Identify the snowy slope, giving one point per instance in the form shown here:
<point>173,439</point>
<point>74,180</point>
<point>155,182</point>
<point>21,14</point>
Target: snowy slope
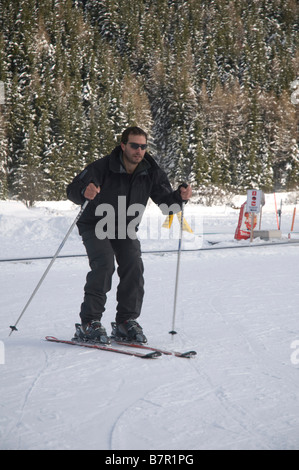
<point>237,308</point>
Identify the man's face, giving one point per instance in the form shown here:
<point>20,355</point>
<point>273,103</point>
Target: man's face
<point>131,154</point>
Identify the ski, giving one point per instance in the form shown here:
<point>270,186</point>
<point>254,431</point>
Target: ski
<point>151,355</point>
<point>187,354</point>
<point>137,344</point>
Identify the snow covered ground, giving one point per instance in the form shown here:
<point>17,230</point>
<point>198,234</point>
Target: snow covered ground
<point>239,308</point>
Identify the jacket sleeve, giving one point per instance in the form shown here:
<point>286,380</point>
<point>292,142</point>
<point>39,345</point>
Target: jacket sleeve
<point>164,196</point>
<point>76,188</point>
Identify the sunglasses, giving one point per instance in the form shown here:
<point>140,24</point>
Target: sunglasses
<point>136,146</point>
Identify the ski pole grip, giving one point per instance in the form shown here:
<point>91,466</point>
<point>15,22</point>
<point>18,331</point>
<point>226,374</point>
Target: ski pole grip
<point>183,185</point>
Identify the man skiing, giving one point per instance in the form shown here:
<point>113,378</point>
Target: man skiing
<point>121,181</point>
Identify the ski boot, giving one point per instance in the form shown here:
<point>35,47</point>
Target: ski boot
<point>129,331</point>
<point>92,332</point>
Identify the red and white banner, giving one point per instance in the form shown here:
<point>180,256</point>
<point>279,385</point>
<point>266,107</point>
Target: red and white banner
<point>243,229</point>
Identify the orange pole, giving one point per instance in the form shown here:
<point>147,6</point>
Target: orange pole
<point>293,221</point>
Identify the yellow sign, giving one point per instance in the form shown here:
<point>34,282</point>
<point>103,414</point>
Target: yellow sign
<point>169,219</point>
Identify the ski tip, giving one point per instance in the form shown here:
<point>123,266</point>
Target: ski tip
<point>189,354</point>
<point>152,355</point>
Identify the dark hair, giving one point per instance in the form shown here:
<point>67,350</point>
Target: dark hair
<point>132,130</point>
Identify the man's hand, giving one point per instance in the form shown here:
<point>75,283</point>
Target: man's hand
<point>186,193</point>
<point>91,191</point>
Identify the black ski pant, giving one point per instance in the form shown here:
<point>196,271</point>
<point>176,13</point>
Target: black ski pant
<point>130,290</point>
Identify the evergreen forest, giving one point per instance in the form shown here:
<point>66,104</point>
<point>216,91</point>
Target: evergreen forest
<point>214,83</point>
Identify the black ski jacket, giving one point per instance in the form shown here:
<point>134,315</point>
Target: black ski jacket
<point>147,181</point>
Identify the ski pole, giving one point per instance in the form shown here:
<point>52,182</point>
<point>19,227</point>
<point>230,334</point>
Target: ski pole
<point>279,213</point>
<point>14,327</point>
<point>173,332</point>
<point>276,211</point>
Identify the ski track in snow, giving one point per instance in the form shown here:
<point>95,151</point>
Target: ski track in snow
<point>16,430</point>
<point>238,309</point>
<point>242,427</point>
